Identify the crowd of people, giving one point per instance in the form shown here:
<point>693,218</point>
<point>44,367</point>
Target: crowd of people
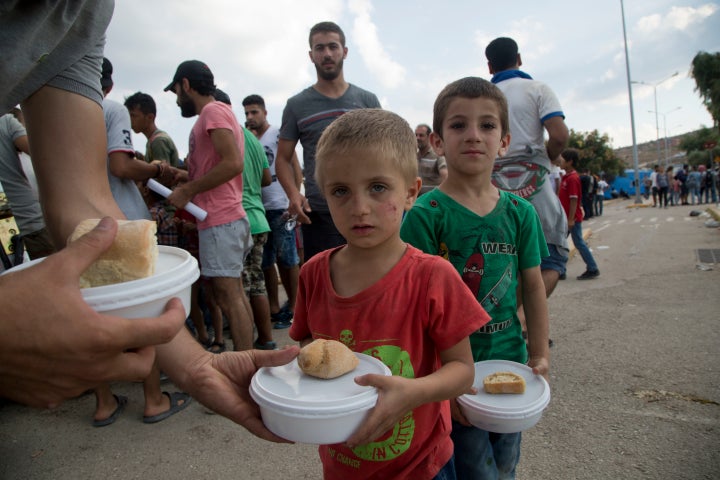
<point>683,185</point>
<point>436,228</point>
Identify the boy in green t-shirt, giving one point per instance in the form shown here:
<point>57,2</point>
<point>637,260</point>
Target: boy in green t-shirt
<point>494,240</point>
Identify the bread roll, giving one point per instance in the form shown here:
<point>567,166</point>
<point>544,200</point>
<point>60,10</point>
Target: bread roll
<point>131,256</point>
<point>326,359</point>
<point>504,382</point>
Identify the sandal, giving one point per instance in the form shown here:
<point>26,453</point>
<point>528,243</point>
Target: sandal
<point>216,347</point>
<point>178,401</point>
<point>121,402</point>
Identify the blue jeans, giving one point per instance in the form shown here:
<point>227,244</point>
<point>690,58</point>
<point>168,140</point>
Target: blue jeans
<point>482,455</point>
<point>448,471</point>
<point>581,246</point>
<point>598,204</point>
<point>280,246</point>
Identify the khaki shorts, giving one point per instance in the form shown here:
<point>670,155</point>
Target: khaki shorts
<point>223,249</point>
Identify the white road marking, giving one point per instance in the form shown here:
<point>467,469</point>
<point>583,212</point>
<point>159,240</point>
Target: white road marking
<point>600,229</point>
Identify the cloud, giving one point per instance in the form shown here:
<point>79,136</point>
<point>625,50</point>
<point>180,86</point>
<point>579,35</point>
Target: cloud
<point>678,18</point>
<point>378,61</point>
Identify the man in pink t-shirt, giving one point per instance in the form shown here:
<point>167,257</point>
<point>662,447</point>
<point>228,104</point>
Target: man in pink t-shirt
<point>214,183</point>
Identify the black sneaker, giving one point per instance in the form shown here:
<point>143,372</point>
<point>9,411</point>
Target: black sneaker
<point>280,324</point>
<point>283,315</point>
<point>588,275</point>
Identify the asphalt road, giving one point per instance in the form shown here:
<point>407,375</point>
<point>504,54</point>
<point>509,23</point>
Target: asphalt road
<point>635,381</point>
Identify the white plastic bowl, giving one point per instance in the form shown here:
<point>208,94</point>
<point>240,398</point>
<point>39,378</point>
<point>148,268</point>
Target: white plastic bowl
<point>505,413</point>
<point>175,272</point>
<point>306,409</point>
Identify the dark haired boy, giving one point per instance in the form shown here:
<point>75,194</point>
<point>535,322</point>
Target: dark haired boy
<point>570,193</point>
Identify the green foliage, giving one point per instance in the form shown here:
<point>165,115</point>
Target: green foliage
<point>596,153</point>
<point>697,158</point>
<point>706,72</point>
<point>694,145</point>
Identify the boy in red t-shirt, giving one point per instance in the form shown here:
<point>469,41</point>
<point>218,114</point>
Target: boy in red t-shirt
<point>570,193</point>
<point>385,298</point>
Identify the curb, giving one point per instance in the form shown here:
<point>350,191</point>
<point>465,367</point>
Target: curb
<point>714,212</point>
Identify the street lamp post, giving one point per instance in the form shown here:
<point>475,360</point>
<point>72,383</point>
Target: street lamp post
<point>657,121</point>
<point>667,133</point>
<point>632,112</point>
<point>664,115</point>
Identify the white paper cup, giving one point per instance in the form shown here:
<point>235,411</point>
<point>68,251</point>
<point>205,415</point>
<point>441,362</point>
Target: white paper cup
<point>505,412</point>
<point>175,272</point>
<point>305,409</point>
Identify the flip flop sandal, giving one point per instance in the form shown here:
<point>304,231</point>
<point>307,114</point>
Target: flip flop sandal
<point>175,407</point>
<point>121,402</point>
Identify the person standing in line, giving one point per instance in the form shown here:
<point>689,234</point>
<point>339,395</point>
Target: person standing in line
<point>305,117</point>
<point>383,297</point>
<point>214,182</point>
<point>599,199</point>
<point>555,175</point>
<point>534,110</point>
<point>570,193</point>
<point>682,176</point>
<point>694,179</point>
<point>587,182</point>
<point>673,186</point>
<point>494,241</point>
<point>431,166</point>
<point>281,245</point>
<point>662,187</point>
<point>706,183</point>
<point>123,171</point>
<point>23,200</point>
<point>654,185</point>
<point>53,346</point>
<point>159,147</point>
<point>256,175</point>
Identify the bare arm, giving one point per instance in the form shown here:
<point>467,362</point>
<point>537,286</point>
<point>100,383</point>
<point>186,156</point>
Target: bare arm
<point>230,165</point>
<point>397,395</point>
<point>221,382</point>
<point>22,144</point>
<point>297,170</point>
<point>123,165</point>
<point>266,178</point>
<point>53,346</point>
<point>537,320</point>
<point>558,136</point>
<point>571,211</point>
<point>287,178</point>
<point>68,141</point>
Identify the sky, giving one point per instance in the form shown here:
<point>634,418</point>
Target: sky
<point>406,52</point>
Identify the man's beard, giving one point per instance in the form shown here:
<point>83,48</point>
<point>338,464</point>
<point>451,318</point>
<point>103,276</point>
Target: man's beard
<point>187,107</point>
<point>331,74</point>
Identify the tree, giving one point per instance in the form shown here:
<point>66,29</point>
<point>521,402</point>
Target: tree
<point>706,72</point>
<point>596,153</point>
<point>697,144</point>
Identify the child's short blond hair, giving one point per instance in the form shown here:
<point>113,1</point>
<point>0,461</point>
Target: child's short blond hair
<point>375,132</point>
<point>469,87</point>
